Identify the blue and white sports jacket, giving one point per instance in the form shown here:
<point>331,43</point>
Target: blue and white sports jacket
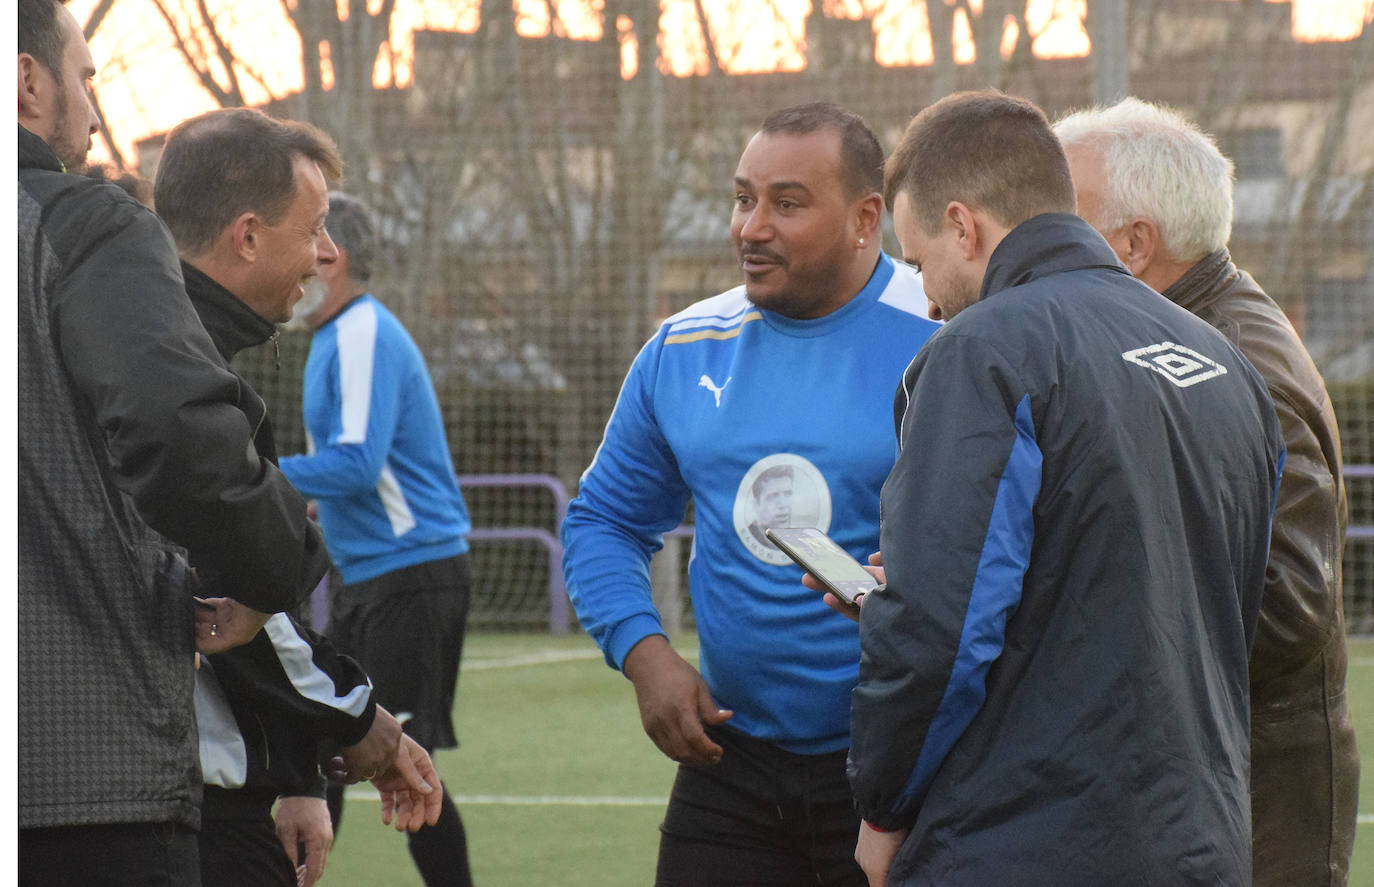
<point>378,460</point>
<point>760,420</point>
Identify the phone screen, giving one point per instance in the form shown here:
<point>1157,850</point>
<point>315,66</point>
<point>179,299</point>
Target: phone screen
<point>823,558</point>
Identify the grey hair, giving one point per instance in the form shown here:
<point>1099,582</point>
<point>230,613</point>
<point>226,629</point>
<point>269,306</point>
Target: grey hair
<point>349,224</point>
<point>1161,166</point>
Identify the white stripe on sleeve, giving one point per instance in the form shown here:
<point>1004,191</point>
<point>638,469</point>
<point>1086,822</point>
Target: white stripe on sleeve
<point>394,501</point>
<point>298,661</point>
<point>357,342</point>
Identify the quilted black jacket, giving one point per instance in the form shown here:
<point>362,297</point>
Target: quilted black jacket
<point>128,428</point>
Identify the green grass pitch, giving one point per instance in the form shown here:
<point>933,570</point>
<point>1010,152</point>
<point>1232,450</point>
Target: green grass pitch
<point>557,784</point>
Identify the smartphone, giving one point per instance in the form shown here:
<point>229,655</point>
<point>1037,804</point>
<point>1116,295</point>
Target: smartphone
<point>822,557</point>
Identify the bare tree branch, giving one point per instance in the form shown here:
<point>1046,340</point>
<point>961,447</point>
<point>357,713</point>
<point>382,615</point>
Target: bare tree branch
<point>222,51</point>
<point>96,17</point>
<point>712,60</point>
<point>196,58</point>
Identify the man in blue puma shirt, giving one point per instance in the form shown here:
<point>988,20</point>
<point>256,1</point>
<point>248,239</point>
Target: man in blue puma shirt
<point>790,376</point>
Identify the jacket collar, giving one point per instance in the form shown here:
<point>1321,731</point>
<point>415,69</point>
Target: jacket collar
<point>1046,244</point>
<point>35,153</point>
<point>232,325</point>
<point>1204,280</point>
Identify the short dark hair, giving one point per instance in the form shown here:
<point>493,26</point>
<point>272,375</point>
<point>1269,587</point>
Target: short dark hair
<point>40,33</point>
<point>350,227</point>
<point>775,472</point>
<point>861,157</point>
<point>224,163</point>
<point>984,149</point>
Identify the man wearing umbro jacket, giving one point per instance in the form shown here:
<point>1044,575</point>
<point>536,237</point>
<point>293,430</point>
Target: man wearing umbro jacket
<point>1054,686</point>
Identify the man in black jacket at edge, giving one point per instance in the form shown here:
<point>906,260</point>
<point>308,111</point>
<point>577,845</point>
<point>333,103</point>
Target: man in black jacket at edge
<point>1053,686</point>
<point>245,198</point>
<point>130,434</point>
<point>131,424</point>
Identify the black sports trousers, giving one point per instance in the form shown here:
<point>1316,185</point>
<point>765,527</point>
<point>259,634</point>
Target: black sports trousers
<point>406,629</point>
<point>244,851</point>
<point>762,817</point>
<point>141,854</point>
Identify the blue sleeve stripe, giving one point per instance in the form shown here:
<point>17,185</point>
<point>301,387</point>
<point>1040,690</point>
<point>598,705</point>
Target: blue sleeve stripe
<point>1274,500</point>
<point>994,597</point>
<point>1278,482</point>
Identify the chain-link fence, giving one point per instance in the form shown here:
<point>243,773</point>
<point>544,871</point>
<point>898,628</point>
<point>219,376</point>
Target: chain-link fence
<point>543,207</point>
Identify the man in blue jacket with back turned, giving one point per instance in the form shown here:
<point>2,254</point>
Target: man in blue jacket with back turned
<point>1054,684</point>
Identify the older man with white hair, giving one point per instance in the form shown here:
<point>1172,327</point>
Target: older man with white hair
<point>1158,189</point>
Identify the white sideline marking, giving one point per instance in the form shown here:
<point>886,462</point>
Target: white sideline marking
<point>544,657</point>
<point>366,792</point>
<point>362,793</point>
<point>560,800</point>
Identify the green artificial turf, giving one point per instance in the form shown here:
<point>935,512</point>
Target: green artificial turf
<point>562,785</point>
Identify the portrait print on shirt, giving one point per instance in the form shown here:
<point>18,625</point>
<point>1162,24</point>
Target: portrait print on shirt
<point>781,490</point>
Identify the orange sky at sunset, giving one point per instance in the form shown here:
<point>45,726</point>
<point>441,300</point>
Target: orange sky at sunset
<point>145,87</point>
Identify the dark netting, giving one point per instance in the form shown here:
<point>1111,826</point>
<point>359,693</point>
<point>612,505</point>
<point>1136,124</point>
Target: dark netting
<point>541,212</point>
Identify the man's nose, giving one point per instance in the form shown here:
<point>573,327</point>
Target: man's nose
<point>326,252</point>
<point>95,112</point>
<point>757,225</point>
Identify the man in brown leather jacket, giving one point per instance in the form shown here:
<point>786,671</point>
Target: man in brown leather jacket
<point>1159,191</point>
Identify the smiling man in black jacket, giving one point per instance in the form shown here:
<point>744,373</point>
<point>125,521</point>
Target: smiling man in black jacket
<point>130,433</point>
<point>245,197</point>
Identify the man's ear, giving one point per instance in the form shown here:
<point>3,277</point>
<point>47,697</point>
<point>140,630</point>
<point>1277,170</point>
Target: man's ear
<point>868,218</point>
<point>32,88</point>
<point>965,225</point>
<point>1142,244</point>
<point>245,234</point>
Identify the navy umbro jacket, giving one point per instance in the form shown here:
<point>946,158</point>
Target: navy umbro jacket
<point>1054,682</point>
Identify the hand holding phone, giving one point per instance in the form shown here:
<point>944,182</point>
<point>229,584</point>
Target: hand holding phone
<point>822,557</point>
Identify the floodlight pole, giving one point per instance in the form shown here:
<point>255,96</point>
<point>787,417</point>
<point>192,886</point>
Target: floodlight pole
<point>1110,60</point>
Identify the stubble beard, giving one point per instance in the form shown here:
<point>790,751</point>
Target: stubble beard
<point>805,290</point>
<point>73,157</point>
